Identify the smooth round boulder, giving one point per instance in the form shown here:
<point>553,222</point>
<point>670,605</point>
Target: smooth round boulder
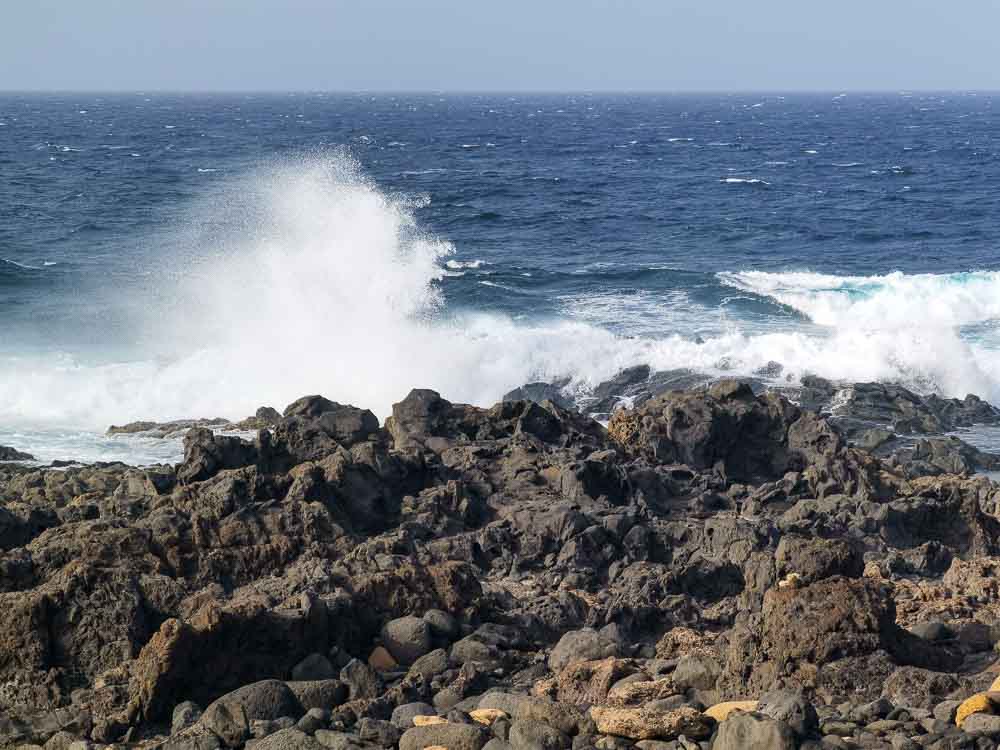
<point>451,736</point>
<point>536,735</point>
<point>407,638</point>
<point>582,645</point>
<point>267,699</point>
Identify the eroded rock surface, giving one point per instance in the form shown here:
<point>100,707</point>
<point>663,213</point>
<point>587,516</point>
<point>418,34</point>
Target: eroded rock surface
<point>517,576</point>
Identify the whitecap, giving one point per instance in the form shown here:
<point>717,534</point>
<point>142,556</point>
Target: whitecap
<point>23,266</point>
<point>275,286</point>
<point>415,172</point>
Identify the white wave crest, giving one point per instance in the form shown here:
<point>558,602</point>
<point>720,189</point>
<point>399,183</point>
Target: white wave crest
<point>933,332</point>
<point>892,301</point>
<point>457,264</point>
<point>322,283</point>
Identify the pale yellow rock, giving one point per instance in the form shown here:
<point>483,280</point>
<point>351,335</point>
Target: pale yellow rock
<point>872,570</point>
<point>426,721</point>
<point>381,660</point>
<point>980,703</point>
<point>647,724</point>
<point>435,747</point>
<point>791,581</point>
<point>487,715</point>
<point>995,687</point>
<point>720,711</point>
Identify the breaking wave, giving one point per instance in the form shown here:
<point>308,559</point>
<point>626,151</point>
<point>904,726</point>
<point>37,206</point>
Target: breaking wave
<point>320,282</point>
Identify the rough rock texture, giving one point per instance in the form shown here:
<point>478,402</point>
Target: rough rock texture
<point>330,580</point>
<point>649,724</point>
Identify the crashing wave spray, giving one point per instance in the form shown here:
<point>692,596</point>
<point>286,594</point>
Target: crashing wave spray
<point>306,278</point>
<point>932,332</point>
<point>318,283</point>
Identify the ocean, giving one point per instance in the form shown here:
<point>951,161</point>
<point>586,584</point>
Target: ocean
<point>167,256</point>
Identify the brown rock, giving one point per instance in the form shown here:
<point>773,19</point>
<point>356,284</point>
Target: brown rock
<point>645,724</point>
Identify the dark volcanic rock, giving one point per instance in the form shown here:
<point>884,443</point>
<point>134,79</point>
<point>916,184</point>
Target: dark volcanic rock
<point>172,429</point>
<point>9,454</point>
<point>519,573</point>
<point>206,453</point>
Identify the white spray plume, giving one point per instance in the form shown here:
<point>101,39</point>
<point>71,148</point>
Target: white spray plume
<point>319,282</point>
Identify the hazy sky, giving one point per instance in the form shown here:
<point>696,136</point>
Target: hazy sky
<point>508,44</point>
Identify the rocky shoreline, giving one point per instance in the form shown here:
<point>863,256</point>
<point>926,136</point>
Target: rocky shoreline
<point>719,567</point>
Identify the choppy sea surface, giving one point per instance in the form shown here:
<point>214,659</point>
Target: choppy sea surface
<point>172,256</point>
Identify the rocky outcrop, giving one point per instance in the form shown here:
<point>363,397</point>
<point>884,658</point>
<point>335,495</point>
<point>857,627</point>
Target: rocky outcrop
<point>11,454</point>
<point>517,575</point>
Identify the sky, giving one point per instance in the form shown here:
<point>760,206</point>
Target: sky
<point>510,45</point>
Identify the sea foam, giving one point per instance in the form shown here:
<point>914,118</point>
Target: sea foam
<point>320,282</point>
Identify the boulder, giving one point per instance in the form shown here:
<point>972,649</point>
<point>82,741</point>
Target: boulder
<point>264,700</point>
<point>535,735</point>
<point>378,732</point>
<point>790,707</point>
<point>753,731</point>
<point>646,724</point>
<point>407,638</point>
<point>451,736</point>
<point>442,624</point>
<point>721,711</point>
<point>287,739</point>
<point>403,715</point>
<point>206,454</point>
<point>227,721</point>
<point>582,645</point>
<point>982,725</point>
<point>326,694</point>
<point>361,680</point>
<point>980,703</point>
<point>697,671</point>
<point>567,718</point>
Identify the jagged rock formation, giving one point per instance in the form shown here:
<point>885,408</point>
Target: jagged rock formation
<point>10,454</point>
<point>515,576</point>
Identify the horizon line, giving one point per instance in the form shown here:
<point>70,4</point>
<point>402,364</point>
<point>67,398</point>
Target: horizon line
<point>507,92</point>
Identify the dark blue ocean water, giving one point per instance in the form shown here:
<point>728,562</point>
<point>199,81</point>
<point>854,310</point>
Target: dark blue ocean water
<point>164,253</point>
